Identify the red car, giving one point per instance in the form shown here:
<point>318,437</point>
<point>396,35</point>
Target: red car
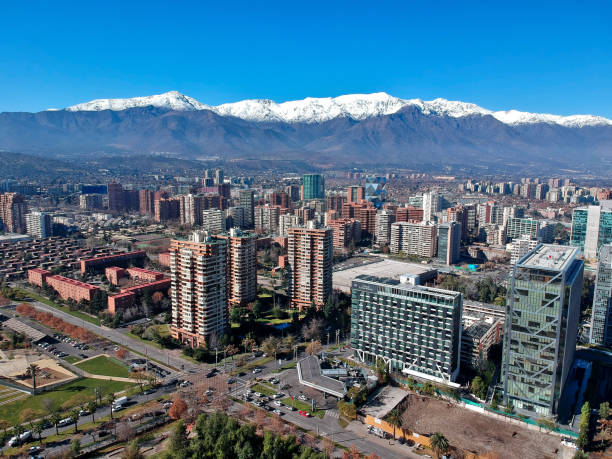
<point>304,413</point>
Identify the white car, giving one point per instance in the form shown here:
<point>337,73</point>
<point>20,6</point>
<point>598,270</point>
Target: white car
<point>303,398</point>
<point>258,394</point>
<point>256,370</point>
<point>278,403</point>
<point>14,441</point>
<point>64,422</point>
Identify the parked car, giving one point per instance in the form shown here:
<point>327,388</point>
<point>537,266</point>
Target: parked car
<point>256,370</point>
<point>64,422</point>
<point>303,398</point>
<point>278,403</point>
<point>278,412</point>
<point>306,414</point>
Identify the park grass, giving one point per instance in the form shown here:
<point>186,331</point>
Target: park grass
<point>72,359</point>
<point>248,367</point>
<point>300,405</point>
<point>263,389</point>
<point>73,394</point>
<point>145,341</point>
<point>105,366</point>
<point>66,309</point>
<point>285,367</point>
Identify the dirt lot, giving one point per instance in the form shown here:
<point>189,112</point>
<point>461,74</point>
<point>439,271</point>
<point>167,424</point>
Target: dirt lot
<point>478,433</point>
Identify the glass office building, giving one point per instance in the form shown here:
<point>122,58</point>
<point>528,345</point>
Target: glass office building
<point>414,329</point>
<point>601,317</point>
<point>375,191</point>
<point>313,186</point>
<point>542,312</point>
<point>592,228</point>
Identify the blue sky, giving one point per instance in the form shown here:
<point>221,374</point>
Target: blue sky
<point>536,56</point>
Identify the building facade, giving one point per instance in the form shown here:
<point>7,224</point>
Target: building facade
<point>413,329</point>
<point>13,210</point>
<point>592,228</point>
<point>601,317</point>
<point>310,255</point>
<point>241,272</point>
<point>247,202</point>
<point>542,311</point>
<point>198,289</point>
<point>39,225</point>
<point>313,186</point>
<point>384,220</point>
<point>414,239</point>
<point>449,242</point>
<point>213,221</point>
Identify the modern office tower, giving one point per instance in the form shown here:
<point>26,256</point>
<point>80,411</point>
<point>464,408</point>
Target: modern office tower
<point>592,228</point>
<point>198,289</point>
<point>459,214</point>
<point>266,219</point>
<point>247,201</point>
<point>310,254</point>
<point>191,207</point>
<point>285,222</point>
<point>90,201</point>
<point>540,191</point>
<point>13,209</point>
<point>414,239</point>
<point>146,200</point>
<point>384,220</point>
<point>313,186</point>
<point>213,221</point>
<point>294,192</point>
<point>219,177</point>
<point>601,317</point>
<point>235,217</point>
<point>167,209</point>
<point>39,225</point>
<point>521,247</point>
<point>241,263</point>
<point>375,191</point>
<point>449,242</point>
<point>355,193</point>
<point>280,199</point>
<point>542,312</point>
<point>413,329</point>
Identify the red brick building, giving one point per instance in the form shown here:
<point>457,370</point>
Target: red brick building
<point>164,259</point>
<point>119,259</point>
<point>113,274</point>
<point>73,289</point>
<point>38,276</point>
<point>145,274</point>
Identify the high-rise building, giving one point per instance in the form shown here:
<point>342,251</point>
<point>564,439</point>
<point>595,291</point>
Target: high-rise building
<point>310,254</point>
<point>167,209</point>
<point>355,193</point>
<point>13,210</point>
<point>344,232</point>
<point>519,227</point>
<point>294,192</point>
<point>90,201</point>
<point>431,205</point>
<point>281,199</point>
<point>449,242</point>
<point>39,225</point>
<point>335,202</point>
<point>266,218</point>
<point>414,239</point>
<point>409,214</point>
<point>247,201</point>
<point>146,199</point>
<point>198,289</point>
<point>116,198</point>
<point>521,247</point>
<point>213,221</point>
<point>285,222</point>
<point>313,186</point>
<point>542,312</point>
<point>241,265</point>
<point>414,329</point>
<point>384,220</point>
<point>592,228</point>
<point>235,217</point>
<point>191,207</point>
<point>601,317</point>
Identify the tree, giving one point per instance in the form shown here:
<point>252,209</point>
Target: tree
<point>580,455</point>
<point>479,388</point>
<point>178,439</point>
<point>38,428</point>
<point>382,371</point>
<point>604,410</point>
<point>312,329</point>
<point>75,448</point>
<point>395,419</point>
<point>271,346</point>
<point>231,350</point>
<point>249,344</point>
<point>257,308</point>
<point>328,446</point>
<point>132,451</point>
<point>439,443</point>
<point>314,347</point>
<point>92,407</point>
<point>584,426</point>
<point>33,370</point>
<point>74,416</point>
<point>54,419</point>
<point>177,409</point>
<point>110,399</point>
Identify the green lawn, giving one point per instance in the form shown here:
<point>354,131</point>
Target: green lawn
<point>105,366</point>
<point>66,309</point>
<point>64,397</point>
<point>250,366</point>
<point>263,389</point>
<point>72,359</point>
<point>300,405</point>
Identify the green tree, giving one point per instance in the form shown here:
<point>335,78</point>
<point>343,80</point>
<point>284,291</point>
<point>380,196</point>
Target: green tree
<point>132,451</point>
<point>75,448</point>
<point>92,407</point>
<point>54,419</point>
<point>38,428</point>
<point>580,455</point>
<point>179,443</point>
<point>395,419</point>
<point>74,416</point>
<point>479,388</point>
<point>110,399</point>
<point>257,308</point>
<point>584,426</point>
<point>604,410</point>
<point>439,443</point>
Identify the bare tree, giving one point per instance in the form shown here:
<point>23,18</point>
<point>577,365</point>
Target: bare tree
<point>312,330</point>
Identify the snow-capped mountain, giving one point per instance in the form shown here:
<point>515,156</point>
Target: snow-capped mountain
<point>318,110</point>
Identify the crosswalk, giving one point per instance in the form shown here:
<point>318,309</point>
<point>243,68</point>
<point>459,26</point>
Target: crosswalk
<point>332,414</point>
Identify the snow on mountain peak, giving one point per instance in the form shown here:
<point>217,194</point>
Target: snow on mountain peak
<point>317,110</point>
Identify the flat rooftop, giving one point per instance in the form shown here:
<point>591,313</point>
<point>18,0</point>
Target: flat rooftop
<point>309,373</point>
<point>384,402</point>
<point>384,268</point>
<point>550,256</point>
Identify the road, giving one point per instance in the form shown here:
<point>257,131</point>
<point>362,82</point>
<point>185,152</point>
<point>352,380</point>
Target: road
<point>120,337</point>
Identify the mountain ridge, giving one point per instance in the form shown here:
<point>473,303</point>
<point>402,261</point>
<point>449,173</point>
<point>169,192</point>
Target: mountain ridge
<point>317,110</point>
